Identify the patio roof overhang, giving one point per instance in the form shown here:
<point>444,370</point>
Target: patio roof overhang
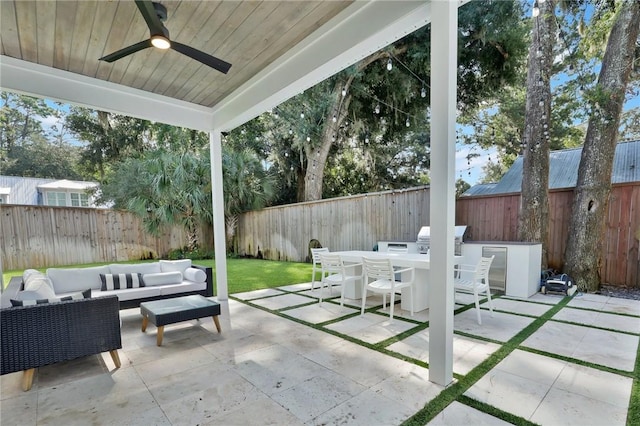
<point>350,35</point>
<point>348,31</point>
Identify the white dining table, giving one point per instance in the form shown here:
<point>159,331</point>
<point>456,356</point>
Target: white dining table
<point>420,262</point>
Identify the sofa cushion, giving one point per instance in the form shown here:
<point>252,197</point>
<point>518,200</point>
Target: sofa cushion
<point>162,278</point>
<point>175,265</point>
<point>196,275</point>
<point>133,294</point>
<point>25,299</point>
<point>142,268</point>
<point>181,288</point>
<point>121,281</point>
<point>66,280</point>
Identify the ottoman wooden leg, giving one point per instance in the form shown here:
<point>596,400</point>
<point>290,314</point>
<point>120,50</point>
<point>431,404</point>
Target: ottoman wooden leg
<point>160,335</point>
<point>27,379</point>
<point>217,323</point>
<point>115,357</point>
<point>145,321</point>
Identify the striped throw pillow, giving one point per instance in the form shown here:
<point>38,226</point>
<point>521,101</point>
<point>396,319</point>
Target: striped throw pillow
<point>75,296</point>
<point>121,281</point>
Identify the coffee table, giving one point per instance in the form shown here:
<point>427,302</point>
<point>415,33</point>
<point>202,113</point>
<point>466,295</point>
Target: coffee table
<point>177,309</point>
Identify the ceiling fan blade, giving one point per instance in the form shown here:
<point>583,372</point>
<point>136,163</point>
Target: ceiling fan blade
<point>150,16</point>
<point>205,58</point>
<point>127,51</point>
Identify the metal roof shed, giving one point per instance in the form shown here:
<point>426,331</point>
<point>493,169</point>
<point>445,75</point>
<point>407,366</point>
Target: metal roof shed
<point>563,170</point>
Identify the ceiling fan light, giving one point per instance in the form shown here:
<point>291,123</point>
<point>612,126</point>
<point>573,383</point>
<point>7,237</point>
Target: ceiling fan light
<point>160,42</point>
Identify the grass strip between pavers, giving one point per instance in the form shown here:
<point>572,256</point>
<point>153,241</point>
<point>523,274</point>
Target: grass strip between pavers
<point>321,327</point>
<point>455,391</point>
<point>633,413</point>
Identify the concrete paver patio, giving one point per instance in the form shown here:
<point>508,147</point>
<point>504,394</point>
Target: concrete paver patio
<point>284,359</point>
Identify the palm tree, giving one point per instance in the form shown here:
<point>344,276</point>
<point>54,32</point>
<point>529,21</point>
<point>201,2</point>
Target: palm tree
<point>247,186</point>
<point>171,188</point>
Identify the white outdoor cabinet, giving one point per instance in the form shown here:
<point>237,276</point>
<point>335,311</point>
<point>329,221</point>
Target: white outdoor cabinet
<point>516,268</point>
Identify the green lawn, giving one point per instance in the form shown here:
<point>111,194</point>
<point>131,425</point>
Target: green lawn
<point>242,274</point>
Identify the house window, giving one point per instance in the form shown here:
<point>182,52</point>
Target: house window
<point>3,199</point>
<point>56,199</point>
<point>79,200</point>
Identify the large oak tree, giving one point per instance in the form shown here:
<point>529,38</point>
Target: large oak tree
<point>590,204</point>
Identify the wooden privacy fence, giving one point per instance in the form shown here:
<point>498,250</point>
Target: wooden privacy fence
<point>348,223</point>
<point>359,222</point>
<point>41,236</point>
<point>495,218</point>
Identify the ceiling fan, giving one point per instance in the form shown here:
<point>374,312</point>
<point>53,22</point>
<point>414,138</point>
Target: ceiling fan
<point>154,14</point>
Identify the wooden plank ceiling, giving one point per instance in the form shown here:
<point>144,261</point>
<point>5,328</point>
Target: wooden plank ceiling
<point>72,35</point>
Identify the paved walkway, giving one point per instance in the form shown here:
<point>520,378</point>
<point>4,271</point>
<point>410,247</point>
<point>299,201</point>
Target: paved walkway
<point>283,359</point>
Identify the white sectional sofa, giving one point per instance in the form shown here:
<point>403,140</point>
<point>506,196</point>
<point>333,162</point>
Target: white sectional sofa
<point>131,283</point>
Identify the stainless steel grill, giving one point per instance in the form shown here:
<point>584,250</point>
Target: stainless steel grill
<point>424,239</point>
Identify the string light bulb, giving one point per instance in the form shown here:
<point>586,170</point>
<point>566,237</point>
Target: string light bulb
<point>344,91</point>
<point>335,118</point>
<point>423,92</point>
<point>308,139</point>
<point>389,65</point>
<point>408,123</point>
<point>302,115</point>
<point>377,110</point>
<point>536,9</point>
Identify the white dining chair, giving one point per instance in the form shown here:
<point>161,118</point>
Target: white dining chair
<point>315,258</point>
<point>399,250</point>
<point>378,277</point>
<point>474,279</point>
<point>334,272</point>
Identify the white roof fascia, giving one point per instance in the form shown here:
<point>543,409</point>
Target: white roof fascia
<point>67,184</point>
<point>46,82</point>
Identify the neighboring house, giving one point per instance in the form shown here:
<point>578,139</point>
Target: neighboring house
<point>563,171</point>
<point>46,192</point>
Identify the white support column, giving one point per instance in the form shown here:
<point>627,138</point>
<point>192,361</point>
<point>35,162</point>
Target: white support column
<point>444,27</point>
<point>219,245</point>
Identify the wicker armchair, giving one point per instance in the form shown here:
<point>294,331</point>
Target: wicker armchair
<point>39,335</point>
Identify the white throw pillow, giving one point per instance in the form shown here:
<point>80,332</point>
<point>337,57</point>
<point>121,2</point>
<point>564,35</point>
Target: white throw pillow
<point>175,265</point>
<point>34,279</point>
<point>28,273</point>
<point>196,275</point>
<point>162,278</point>
<point>40,286</point>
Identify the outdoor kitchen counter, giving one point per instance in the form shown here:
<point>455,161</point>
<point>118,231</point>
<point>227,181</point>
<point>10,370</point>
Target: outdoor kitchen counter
<point>420,262</point>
